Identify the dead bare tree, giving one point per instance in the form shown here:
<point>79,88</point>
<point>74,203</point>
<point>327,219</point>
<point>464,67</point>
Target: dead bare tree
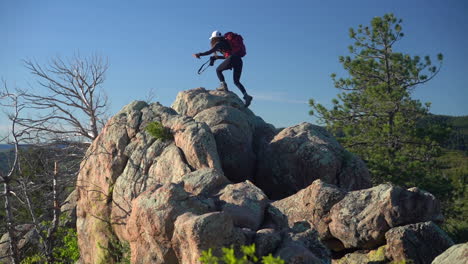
<point>22,182</point>
<point>69,107</point>
<point>72,103</point>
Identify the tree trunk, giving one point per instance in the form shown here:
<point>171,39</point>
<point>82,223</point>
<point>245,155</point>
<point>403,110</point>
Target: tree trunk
<point>10,224</point>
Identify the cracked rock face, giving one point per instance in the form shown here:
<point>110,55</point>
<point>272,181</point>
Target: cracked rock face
<point>124,161</point>
<point>232,125</point>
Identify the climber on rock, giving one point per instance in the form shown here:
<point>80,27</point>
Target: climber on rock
<point>231,45</point>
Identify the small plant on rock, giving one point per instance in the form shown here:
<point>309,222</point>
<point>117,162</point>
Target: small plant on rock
<point>229,257</point>
<point>158,131</point>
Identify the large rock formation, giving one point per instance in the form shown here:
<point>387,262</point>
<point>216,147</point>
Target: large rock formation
<point>279,163</point>
<point>233,127</point>
<point>212,186</point>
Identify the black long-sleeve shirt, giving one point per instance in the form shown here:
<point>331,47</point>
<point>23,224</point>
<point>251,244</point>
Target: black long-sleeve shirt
<point>221,46</point>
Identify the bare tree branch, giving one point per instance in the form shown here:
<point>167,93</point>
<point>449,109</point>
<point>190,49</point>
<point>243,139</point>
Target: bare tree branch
<point>72,104</point>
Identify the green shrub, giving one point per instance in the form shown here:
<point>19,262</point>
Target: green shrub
<point>65,251</point>
<point>158,131</point>
<point>34,259</point>
<point>229,257</point>
<point>68,252</point>
<point>405,261</point>
<point>377,255</point>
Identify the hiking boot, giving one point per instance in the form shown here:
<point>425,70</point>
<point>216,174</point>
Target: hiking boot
<point>247,99</point>
<point>222,87</point>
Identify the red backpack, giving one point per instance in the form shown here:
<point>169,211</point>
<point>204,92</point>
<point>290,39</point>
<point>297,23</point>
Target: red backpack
<point>237,44</point>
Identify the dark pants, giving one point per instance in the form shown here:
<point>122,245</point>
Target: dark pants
<point>234,62</point>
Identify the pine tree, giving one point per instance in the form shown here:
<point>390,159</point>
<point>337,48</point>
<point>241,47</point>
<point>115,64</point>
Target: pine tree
<point>374,115</point>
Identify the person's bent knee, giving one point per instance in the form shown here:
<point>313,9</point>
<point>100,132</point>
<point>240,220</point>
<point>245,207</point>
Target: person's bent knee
<point>220,68</point>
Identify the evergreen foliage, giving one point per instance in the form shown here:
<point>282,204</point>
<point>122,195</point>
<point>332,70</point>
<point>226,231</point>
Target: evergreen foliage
<point>456,207</point>
<point>375,115</point>
<point>458,125</point>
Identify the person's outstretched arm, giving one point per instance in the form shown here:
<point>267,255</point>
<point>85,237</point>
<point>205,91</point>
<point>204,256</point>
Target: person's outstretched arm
<point>214,49</point>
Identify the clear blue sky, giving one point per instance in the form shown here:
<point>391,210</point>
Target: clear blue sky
<point>292,46</point>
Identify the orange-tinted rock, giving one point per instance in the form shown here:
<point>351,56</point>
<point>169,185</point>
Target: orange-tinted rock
<point>196,233</point>
<point>124,161</point>
<point>151,224</point>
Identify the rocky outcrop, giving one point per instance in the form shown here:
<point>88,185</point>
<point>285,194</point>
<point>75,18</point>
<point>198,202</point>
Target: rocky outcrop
<point>455,254</point>
<point>280,164</point>
<point>212,186</point>
<point>311,204</point>
<point>361,218</point>
<point>124,161</point>
<point>232,125</point>
<point>132,184</point>
<point>298,155</point>
<point>358,219</point>
<point>415,243</point>
<point>419,243</point>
